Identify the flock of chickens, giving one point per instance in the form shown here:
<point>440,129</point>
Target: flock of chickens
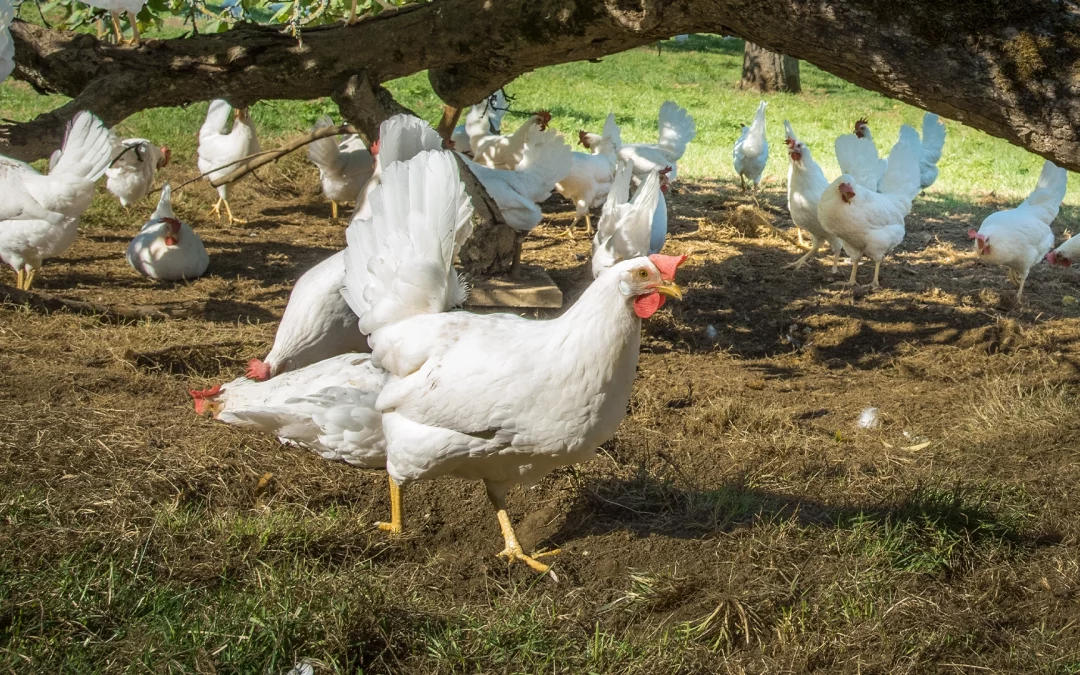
<point>371,366</point>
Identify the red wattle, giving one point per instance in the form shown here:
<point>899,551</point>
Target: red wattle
<point>646,305</point>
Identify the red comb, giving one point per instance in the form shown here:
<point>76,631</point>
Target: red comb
<point>375,148</point>
<point>202,395</point>
<point>258,370</point>
<point>665,171</point>
<point>667,264</point>
<point>583,138</point>
<point>972,234</point>
<point>790,142</point>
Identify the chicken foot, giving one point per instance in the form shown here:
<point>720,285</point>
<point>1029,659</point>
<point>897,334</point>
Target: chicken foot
<point>333,209</point>
<point>877,270</point>
<point>854,270</point>
<point>394,526</point>
<point>513,551</point>
<point>801,262</point>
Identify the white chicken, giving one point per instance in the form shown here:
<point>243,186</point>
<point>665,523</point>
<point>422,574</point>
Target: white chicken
<point>546,160</point>
<point>659,232</point>
<point>676,131</point>
<point>490,397</point>
<point>328,407</point>
<point>624,230</point>
<point>927,149</point>
<point>751,151</point>
<point>220,152</point>
<point>317,322</point>
<point>345,166</point>
<point>165,248</point>
<point>39,215</point>
<point>132,173</point>
<point>591,175</point>
<point>115,7</point>
<point>495,107</point>
<point>501,152</point>
<point>1064,255</point>
<point>806,183</point>
<point>7,45</point>
<point>871,223</point>
<point>1019,238</point>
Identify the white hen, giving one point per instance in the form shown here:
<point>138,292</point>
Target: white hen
<point>871,223</point>
<point>220,152</point>
<point>1019,238</point>
<point>167,249</point>
<point>751,151</point>
<point>927,149</point>
<point>345,166</point>
<point>501,152</point>
<point>676,131</point>
<point>317,322</point>
<point>7,45</point>
<point>489,397</point>
<point>115,7</point>
<point>39,215</point>
<point>494,107</point>
<point>132,173</point>
<point>624,230</point>
<point>806,184</point>
<point>591,175</point>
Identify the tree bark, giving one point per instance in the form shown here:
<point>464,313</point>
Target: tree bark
<point>766,71</point>
<point>1017,58</point>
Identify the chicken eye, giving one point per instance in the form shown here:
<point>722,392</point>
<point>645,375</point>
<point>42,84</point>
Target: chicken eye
<point>642,273</point>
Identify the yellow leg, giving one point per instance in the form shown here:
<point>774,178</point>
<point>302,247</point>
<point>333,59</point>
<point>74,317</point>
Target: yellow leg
<point>588,224</point>
<point>802,243</point>
<point>513,550</point>
<point>116,26</point>
<point>19,279</point>
<point>394,526</point>
<point>570,229</point>
<point>877,270</point>
<point>216,211</point>
<point>333,209</point>
<point>233,219</point>
<point>1019,291</point>
<point>854,270</point>
<point>30,280</point>
<point>135,37</point>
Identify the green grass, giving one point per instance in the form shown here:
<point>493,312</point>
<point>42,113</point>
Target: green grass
<point>699,74</point>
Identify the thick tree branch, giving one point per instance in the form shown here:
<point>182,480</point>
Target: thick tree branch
<point>1004,66</point>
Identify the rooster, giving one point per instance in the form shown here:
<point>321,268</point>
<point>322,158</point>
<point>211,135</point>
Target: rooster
<point>751,151</point>
<point>318,323</point>
<point>591,175</point>
<point>496,151</point>
<point>806,183</point>
<point>624,230</point>
<point>1019,238</point>
<point>39,215</point>
<point>494,107</point>
<point>221,153</point>
<point>132,173</point>
<point>927,149</point>
<point>165,248</point>
<point>345,166</point>
<point>871,223</point>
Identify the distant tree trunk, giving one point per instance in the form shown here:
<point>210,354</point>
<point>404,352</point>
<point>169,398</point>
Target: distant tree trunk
<point>767,71</point>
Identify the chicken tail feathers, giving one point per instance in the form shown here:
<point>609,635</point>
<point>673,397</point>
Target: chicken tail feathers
<point>677,129</point>
<point>400,138</point>
<point>1045,199</point>
<point>324,153</point>
<point>164,208</point>
<point>217,118</point>
<point>902,172</point>
<point>88,149</point>
<point>933,142</point>
<point>548,159</point>
<point>399,263</point>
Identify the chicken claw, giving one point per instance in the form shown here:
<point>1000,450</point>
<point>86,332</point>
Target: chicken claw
<point>394,526</point>
<point>512,554</point>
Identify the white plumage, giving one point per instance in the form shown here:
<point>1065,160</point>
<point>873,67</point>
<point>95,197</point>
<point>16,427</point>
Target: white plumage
<point>345,165</point>
<point>871,223</point>
<point>806,184</point>
<point>167,249</point>
<point>132,174</point>
<point>591,175</point>
<point>220,152</point>
<point>927,149</point>
<point>7,45</point>
<point>496,151</point>
<point>401,137</point>
<point>676,130</point>
<point>39,215</point>
<point>624,230</point>
<point>751,151</point>
<point>1019,238</point>
<point>494,107</point>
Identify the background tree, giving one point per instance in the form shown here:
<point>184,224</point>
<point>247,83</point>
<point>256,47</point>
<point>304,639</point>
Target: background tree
<point>767,71</point>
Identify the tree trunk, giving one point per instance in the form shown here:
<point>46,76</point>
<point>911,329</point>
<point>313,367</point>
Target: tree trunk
<point>766,71</point>
<point>1016,56</point>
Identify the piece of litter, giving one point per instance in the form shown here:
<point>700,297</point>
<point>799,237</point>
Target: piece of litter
<point>868,419</point>
<point>710,332</point>
<point>302,668</point>
<point>920,446</point>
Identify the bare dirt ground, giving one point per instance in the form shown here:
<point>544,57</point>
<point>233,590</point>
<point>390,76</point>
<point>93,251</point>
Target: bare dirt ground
<point>739,521</point>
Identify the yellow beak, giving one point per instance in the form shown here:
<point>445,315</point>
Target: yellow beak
<point>669,288</point>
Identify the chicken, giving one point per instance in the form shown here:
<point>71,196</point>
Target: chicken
<point>624,230</point>
<point>806,183</point>
<point>751,151</point>
<point>220,153</point>
<point>871,223</point>
<point>132,173</point>
<point>491,397</point>
<point>546,160</point>
<point>927,149</point>
<point>501,152</point>
<point>495,107</point>
<point>165,248</point>
<point>658,236</point>
<point>591,175</point>
<point>328,407</point>
<point>1019,238</point>
<point>115,7</point>
<point>676,131</point>
<point>1064,255</point>
<point>7,44</point>
<point>318,323</point>
<point>39,215</point>
<point>345,166</point>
